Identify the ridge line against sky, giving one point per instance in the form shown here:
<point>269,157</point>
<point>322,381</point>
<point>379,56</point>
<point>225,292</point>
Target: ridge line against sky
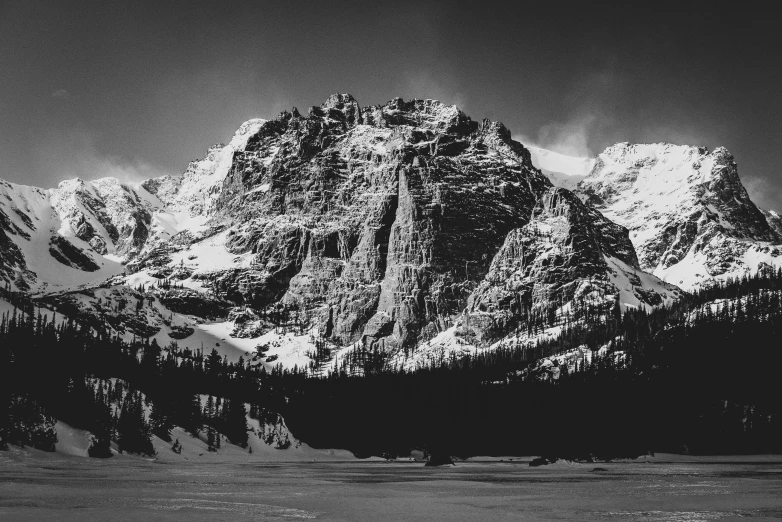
<point>138,90</point>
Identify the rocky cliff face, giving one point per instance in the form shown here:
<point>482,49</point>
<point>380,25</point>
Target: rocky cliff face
<point>690,218</point>
<point>567,257</point>
<point>382,225</point>
<point>378,222</point>
<point>774,221</point>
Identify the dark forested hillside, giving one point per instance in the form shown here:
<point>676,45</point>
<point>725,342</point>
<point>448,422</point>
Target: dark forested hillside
<point>699,376</point>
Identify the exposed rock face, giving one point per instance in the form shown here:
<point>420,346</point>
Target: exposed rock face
<point>568,254</point>
<point>190,302</point>
<point>70,255</point>
<point>111,216</point>
<point>116,310</point>
<point>379,221</point>
<point>84,212</point>
<point>689,216</point>
<point>18,224</point>
<point>129,214</point>
<point>273,431</point>
<point>774,221</point>
<point>380,225</point>
<point>385,218</point>
<point>13,266</point>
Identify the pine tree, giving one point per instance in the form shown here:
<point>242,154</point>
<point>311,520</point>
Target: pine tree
<point>235,419</point>
<point>191,416</point>
<point>133,434</point>
<point>210,438</point>
<point>160,420</point>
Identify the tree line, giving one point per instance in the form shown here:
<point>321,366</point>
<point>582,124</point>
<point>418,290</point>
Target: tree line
<point>696,376</point>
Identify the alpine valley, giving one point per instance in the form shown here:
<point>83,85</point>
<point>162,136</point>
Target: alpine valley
<point>395,272</point>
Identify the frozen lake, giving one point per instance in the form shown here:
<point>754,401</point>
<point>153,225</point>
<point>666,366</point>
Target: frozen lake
<point>38,486</point>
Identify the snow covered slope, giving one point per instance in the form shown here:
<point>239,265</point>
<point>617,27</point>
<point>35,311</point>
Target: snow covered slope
<point>82,232</point>
<point>563,171</point>
<point>53,238</point>
<point>690,218</point>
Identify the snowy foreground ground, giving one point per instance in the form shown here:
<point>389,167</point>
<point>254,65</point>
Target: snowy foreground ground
<point>40,486</point>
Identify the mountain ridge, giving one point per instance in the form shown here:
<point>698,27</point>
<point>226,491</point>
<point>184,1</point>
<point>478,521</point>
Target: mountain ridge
<point>690,218</point>
<point>386,226</point>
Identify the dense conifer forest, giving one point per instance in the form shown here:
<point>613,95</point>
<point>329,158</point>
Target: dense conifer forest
<point>700,376</point>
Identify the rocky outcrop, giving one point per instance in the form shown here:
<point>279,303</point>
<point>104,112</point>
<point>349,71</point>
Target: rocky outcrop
<point>190,302</point>
<point>196,192</point>
<point>567,256</point>
<point>774,221</point>
<point>13,266</point>
<point>109,310</point>
<point>379,222</point>
<point>272,430</point>
<point>84,213</point>
<point>70,255</point>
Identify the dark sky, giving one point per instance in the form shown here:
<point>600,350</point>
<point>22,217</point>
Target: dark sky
<point>136,90</point>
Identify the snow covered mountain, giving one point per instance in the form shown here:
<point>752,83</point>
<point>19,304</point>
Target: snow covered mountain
<point>384,226</point>
<point>83,232</point>
<point>381,226</point>
<point>61,237</point>
<point>690,218</point>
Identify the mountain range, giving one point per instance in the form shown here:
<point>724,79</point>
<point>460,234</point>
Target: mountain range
<point>405,228</point>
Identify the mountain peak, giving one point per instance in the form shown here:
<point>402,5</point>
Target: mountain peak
<point>337,100</point>
<point>690,218</point>
<point>345,104</point>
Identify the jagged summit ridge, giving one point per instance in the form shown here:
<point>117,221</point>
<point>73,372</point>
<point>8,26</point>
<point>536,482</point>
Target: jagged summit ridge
<point>379,222</point>
<point>367,217</point>
<point>380,225</point>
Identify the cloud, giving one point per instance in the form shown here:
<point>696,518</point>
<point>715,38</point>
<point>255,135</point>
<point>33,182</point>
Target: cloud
<point>61,94</point>
<point>571,138</point>
<point>589,116</point>
<point>423,84</point>
<point>603,109</point>
<point>94,167</point>
<point>74,154</point>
